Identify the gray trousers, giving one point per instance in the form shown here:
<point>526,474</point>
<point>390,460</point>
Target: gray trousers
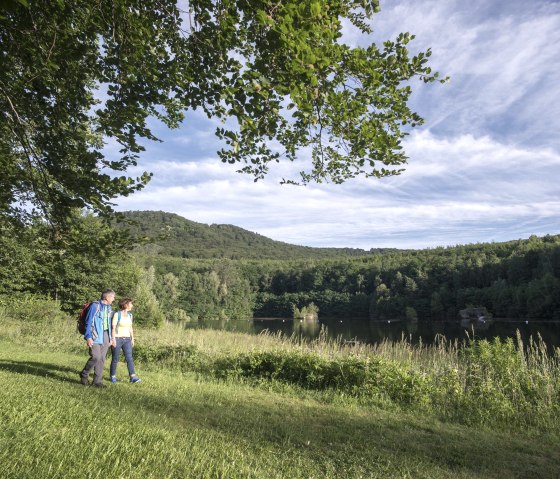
<point>96,361</point>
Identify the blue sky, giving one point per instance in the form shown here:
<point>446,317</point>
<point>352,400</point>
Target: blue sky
<point>484,167</point>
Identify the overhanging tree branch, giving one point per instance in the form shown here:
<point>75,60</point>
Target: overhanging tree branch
<point>276,67</point>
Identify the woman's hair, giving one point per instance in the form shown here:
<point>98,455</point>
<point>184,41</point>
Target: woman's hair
<point>123,302</point>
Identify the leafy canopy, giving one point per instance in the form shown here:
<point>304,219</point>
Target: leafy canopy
<point>76,74</point>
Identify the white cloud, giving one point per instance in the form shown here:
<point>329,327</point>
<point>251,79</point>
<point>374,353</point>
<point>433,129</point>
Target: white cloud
<point>452,184</point>
<point>484,168</point>
<point>502,58</point>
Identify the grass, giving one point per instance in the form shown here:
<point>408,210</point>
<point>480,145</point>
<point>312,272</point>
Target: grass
<point>491,384</point>
<point>216,404</point>
<point>187,426</point>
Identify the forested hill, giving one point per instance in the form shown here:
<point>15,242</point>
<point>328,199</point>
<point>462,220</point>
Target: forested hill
<point>172,235</point>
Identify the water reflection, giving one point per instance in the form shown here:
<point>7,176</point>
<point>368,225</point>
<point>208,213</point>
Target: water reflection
<point>375,331</point>
<point>308,328</point>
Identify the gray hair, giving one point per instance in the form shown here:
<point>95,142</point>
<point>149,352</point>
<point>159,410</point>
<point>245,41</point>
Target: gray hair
<point>107,293</point>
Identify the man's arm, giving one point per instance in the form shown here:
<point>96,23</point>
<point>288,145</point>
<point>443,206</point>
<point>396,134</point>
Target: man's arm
<point>91,312</point>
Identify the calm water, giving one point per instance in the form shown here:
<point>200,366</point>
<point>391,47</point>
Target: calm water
<point>372,332</point>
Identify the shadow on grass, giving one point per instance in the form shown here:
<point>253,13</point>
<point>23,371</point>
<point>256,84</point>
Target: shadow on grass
<point>372,438</point>
<point>54,371</point>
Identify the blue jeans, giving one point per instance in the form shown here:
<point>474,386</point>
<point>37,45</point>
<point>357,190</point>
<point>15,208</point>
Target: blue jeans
<point>126,345</point>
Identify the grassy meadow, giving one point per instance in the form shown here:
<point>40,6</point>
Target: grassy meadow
<point>214,404</point>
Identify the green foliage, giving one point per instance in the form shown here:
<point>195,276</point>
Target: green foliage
<point>330,303</point>
<point>72,265</point>
<point>499,385</point>
<point>18,252</point>
<point>31,309</point>
<point>215,291</point>
<point>278,70</point>
<point>178,315</point>
<point>182,357</point>
<point>338,103</point>
<point>516,279</point>
<point>410,314</point>
<point>308,311</point>
<point>371,377</point>
<point>495,384</point>
<point>146,306</point>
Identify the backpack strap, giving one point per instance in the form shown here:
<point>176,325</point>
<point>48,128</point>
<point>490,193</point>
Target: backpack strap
<point>98,305</point>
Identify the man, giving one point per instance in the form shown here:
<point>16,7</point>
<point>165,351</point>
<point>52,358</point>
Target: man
<point>98,337</point>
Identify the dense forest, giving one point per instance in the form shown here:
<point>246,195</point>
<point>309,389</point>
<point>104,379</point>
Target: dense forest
<point>515,279</point>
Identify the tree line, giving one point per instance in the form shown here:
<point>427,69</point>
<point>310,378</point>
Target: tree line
<point>515,279</point>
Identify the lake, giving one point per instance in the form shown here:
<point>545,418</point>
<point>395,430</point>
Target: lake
<point>376,331</point>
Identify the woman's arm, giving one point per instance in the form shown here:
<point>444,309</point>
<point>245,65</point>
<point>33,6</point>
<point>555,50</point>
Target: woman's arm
<point>114,327</point>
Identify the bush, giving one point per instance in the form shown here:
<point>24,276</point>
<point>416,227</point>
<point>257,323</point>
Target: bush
<point>351,375</point>
<point>178,315</point>
<point>31,308</point>
<point>181,357</point>
<point>310,311</point>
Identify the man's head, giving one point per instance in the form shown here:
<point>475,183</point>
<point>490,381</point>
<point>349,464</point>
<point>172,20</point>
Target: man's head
<point>108,296</point>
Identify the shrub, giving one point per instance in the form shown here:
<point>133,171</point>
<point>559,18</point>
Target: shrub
<point>31,308</point>
<point>351,375</point>
<point>309,311</point>
<point>182,357</point>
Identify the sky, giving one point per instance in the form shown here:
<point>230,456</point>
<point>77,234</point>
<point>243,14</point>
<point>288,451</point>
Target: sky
<point>484,167</point>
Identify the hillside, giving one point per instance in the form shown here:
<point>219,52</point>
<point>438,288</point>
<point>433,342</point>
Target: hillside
<point>172,235</point>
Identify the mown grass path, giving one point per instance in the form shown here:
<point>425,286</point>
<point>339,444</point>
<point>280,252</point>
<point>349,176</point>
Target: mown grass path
<point>181,426</point>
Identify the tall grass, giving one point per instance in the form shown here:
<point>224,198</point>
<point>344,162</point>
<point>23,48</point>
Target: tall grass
<point>183,426</point>
<point>498,383</point>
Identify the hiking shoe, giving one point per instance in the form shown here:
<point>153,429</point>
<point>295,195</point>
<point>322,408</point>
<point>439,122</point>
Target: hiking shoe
<point>98,385</point>
<point>84,380</point>
<point>113,379</point>
<point>135,379</point>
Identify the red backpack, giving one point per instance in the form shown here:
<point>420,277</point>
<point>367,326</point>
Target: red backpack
<point>81,321</point>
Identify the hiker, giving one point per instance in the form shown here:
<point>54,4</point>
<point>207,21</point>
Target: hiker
<point>123,338</point>
<point>98,337</point>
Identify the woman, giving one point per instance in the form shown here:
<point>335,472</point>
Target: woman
<point>123,338</point>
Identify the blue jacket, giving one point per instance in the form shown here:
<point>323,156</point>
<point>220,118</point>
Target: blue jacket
<point>95,317</point>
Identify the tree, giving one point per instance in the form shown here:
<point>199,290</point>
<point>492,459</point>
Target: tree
<point>166,290</point>
<point>147,310</point>
<point>76,74</point>
<point>72,267</point>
